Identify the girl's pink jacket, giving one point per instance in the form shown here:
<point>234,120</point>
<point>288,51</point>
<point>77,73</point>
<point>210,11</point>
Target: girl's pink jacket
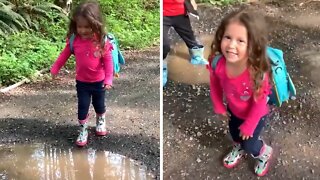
<point>238,92</point>
<point>90,66</point>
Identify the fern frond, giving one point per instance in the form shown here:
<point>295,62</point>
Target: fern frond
<point>50,6</point>
<point>35,25</point>
<point>2,34</point>
<point>7,13</point>
<point>22,16</point>
<point>34,10</point>
<point>14,27</point>
<point>5,2</point>
<point>6,28</point>
<point>27,17</point>
<point>47,5</point>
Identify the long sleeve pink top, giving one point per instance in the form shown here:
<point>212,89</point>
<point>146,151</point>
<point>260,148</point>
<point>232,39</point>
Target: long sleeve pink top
<point>90,66</point>
<point>239,96</point>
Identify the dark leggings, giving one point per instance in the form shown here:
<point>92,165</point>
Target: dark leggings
<point>253,145</point>
<point>86,91</point>
<point>182,26</point>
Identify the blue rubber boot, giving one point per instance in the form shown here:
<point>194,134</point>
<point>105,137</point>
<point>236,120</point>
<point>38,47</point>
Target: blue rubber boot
<point>196,54</point>
<point>165,73</point>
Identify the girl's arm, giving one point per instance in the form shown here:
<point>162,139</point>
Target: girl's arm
<point>216,93</point>
<point>258,110</point>
<point>62,59</point>
<point>108,64</point>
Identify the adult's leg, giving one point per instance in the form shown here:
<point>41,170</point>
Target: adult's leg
<point>183,27</point>
<point>166,41</point>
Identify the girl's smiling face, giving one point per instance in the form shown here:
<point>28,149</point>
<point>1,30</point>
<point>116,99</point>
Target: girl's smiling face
<point>83,28</point>
<point>234,44</point>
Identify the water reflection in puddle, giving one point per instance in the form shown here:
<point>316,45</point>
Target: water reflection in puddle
<point>41,161</point>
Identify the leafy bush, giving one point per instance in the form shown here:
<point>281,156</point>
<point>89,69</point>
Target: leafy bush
<point>135,23</point>
<point>24,53</point>
<point>53,29</point>
<point>19,15</point>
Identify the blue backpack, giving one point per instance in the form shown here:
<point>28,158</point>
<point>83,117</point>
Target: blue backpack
<point>117,56</point>
<point>283,87</point>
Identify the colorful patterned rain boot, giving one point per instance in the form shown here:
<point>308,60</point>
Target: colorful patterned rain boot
<point>101,124</point>
<point>233,158</point>
<point>262,165</point>
<point>82,139</point>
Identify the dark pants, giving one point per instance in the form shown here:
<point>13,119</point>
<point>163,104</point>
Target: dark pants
<point>86,91</point>
<point>253,145</point>
<point>182,26</point>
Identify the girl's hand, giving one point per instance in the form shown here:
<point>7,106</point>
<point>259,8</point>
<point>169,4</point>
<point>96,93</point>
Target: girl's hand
<point>244,137</point>
<point>224,116</point>
<point>107,87</point>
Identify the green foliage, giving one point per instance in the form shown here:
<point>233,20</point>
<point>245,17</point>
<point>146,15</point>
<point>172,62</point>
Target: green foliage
<point>53,29</point>
<point>135,23</point>
<point>18,15</point>
<point>24,53</point>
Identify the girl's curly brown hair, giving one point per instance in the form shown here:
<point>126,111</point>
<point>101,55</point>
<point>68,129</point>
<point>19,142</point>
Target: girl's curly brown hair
<point>91,11</point>
<point>255,24</point>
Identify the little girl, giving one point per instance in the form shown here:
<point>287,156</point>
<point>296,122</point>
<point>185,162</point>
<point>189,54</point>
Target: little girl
<point>94,66</point>
<point>242,75</point>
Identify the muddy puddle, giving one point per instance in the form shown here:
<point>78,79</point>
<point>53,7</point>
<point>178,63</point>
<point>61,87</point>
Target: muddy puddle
<point>41,161</point>
<point>181,70</point>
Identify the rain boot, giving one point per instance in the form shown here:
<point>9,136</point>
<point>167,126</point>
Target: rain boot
<point>82,139</point>
<point>233,158</point>
<point>101,129</point>
<point>165,73</point>
<point>196,54</point>
<point>262,165</point>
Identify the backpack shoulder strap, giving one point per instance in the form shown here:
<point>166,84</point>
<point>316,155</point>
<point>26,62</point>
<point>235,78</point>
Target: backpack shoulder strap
<point>106,38</point>
<point>112,39</point>
<point>274,54</point>
<point>71,40</point>
<point>215,61</point>
<point>110,36</point>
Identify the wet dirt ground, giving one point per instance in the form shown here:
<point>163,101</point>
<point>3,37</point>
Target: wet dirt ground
<point>45,112</point>
<point>195,140</point>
